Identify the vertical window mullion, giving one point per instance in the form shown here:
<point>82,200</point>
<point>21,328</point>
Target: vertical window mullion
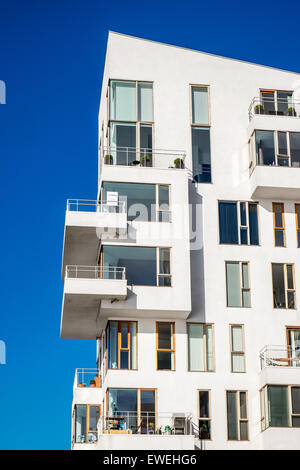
<point>238,207</point>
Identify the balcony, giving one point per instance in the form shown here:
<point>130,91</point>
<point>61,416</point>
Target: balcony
<point>280,365</point>
<point>86,222</point>
<point>84,289</point>
<point>87,387</point>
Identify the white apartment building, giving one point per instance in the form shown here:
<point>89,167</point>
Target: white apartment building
<point>186,268</point>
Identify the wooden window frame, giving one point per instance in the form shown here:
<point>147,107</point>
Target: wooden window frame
<point>240,353</point>
<point>158,273</point>
<point>209,418</point>
<point>281,204</point>
<point>239,419</point>
<point>297,206</point>
<point>88,430</point>
<point>274,92</point>
<point>193,124</point>
<point>119,339</point>
<point>242,287</point>
<point>204,346</point>
<point>286,289</point>
<point>239,226</point>
<point>172,350</point>
<point>264,396</point>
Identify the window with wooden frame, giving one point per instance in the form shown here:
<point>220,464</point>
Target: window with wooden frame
<point>165,345</point>
<point>297,214</point>
<point>293,343</point>
<point>237,284</point>
<point>200,347</point>
<point>200,134</point>
<point>284,293</point>
<point>276,102</point>
<point>237,348</point>
<point>86,422</point>
<point>280,406</point>
<point>204,419</point>
<point>279,224</point>
<point>237,415</point>
<point>238,223</point>
<point>122,345</point>
<point>276,148</point>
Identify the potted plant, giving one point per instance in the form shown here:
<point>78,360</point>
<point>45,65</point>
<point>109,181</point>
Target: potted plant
<point>259,109</point>
<point>168,430</point>
<point>146,160</point>
<point>97,380</point>
<point>178,162</point>
<point>291,111</point>
<point>81,385</point>
<point>108,160</point>
<point>151,428</point>
<point>92,383</point>
<point>204,433</point>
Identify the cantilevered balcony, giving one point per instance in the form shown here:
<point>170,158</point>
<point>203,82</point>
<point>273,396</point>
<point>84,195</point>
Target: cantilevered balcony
<point>280,365</point>
<point>85,224</point>
<point>274,106</point>
<point>87,387</point>
<point>84,289</point>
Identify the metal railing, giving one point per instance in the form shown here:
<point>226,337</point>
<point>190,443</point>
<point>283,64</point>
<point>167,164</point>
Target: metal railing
<point>87,205</point>
<point>95,272</point>
<point>280,356</point>
<point>143,157</point>
<point>88,377</point>
<point>145,422</point>
<point>274,107</point>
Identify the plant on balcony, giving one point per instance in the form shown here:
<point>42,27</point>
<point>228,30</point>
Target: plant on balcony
<point>259,109</point>
<point>81,385</point>
<point>108,159</point>
<point>92,383</point>
<point>178,162</point>
<point>168,430</point>
<point>146,160</point>
<point>97,380</point>
<point>291,112</point>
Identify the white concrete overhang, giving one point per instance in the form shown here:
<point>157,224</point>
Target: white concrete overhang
<point>269,182</point>
<point>279,375</point>
<point>273,123</point>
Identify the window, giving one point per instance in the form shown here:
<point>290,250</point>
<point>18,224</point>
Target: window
<point>204,414</point>
<point>132,410</point>
<point>122,344</point>
<point>277,148</point>
<point>283,286</point>
<point>86,422</point>
<point>200,347</point>
<point>200,135</point>
<point>131,117</point>
<point>278,222</point>
<point>165,345</point>
<point>297,213</point>
<point>237,416</point>
<point>237,284</point>
<point>146,266</point>
<point>277,102</point>
<point>237,348</point>
<point>238,223</point>
<point>280,406</point>
<point>293,340</point>
<point>144,202</point>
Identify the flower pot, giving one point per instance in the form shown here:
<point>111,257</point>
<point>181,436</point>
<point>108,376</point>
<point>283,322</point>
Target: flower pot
<point>81,385</point>
<point>108,160</point>
<point>97,380</point>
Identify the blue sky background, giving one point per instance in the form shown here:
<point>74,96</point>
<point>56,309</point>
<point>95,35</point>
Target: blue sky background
<point>51,59</point>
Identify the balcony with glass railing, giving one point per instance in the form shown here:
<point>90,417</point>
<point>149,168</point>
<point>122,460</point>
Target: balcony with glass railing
<point>274,106</point>
<point>143,157</point>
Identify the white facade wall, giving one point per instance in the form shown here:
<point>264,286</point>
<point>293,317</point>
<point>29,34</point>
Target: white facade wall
<point>232,85</point>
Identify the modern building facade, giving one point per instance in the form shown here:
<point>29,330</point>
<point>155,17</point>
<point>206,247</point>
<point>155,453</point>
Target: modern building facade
<point>185,270</point>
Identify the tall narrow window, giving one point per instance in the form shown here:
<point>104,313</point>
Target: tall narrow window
<point>283,286</point>
<point>86,422</point>
<point>200,347</point>
<point>163,198</point>
<point>278,221</point>
<point>237,349</point>
<point>237,416</point>
<point>200,135</point>
<point>204,414</point>
<point>165,346</point>
<point>164,269</point>
<point>297,212</point>
<point>200,105</point>
<point>293,340</point>
<point>122,344</point>
<point>265,148</point>
<point>238,223</point>
<point>237,284</point>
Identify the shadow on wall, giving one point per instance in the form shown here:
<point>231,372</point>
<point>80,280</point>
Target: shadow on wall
<point>197,256</point>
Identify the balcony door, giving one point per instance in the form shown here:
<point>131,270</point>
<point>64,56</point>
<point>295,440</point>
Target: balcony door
<point>293,339</point>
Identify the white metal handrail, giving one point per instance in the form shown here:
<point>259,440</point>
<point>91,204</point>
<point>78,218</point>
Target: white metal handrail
<point>88,205</point>
<point>144,157</point>
<point>95,272</point>
<point>291,107</point>
<point>278,356</point>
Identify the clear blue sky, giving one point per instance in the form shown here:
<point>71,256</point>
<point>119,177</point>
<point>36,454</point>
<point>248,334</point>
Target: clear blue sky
<point>51,58</point>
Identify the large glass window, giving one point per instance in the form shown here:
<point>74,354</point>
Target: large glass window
<point>238,223</point>
<point>204,414</point>
<point>201,154</point>
<point>165,346</point>
<point>237,416</point>
<point>295,148</point>
<point>86,422</point>
<point>275,406</point>
<point>200,347</point>
<point>237,284</point>
<point>276,102</point>
<point>122,100</point>
<point>277,148</point>
<point>146,266</point>
<point>283,286</point>
<point>122,344</point>
<point>237,348</point>
<point>144,202</point>
<point>265,148</point>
